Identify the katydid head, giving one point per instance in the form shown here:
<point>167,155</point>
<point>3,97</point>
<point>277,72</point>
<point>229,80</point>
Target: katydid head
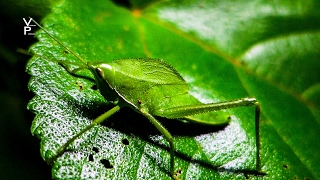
<point>102,71</point>
<point>104,76</point>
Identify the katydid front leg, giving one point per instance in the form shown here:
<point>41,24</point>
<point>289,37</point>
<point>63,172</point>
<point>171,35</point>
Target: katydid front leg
<point>95,122</point>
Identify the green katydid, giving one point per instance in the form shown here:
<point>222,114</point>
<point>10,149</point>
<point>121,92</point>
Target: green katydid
<point>152,88</point>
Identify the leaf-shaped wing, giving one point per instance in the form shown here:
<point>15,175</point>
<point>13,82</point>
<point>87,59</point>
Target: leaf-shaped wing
<point>135,77</point>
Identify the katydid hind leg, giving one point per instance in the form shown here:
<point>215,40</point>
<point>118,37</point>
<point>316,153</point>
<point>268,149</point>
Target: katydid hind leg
<point>168,137</point>
<point>258,143</point>
<point>182,111</point>
<point>188,110</point>
<point>95,122</point>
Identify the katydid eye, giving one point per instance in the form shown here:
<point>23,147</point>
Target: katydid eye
<point>99,72</point>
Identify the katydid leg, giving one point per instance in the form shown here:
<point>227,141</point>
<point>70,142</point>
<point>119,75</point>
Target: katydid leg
<point>72,71</point>
<point>258,144</point>
<point>166,134</point>
<point>97,121</point>
<point>188,110</point>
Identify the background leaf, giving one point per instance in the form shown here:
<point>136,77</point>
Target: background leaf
<point>225,50</point>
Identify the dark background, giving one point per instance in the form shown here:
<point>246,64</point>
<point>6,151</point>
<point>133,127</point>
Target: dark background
<point>20,151</point>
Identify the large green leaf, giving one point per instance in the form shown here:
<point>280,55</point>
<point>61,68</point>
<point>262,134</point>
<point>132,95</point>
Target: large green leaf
<point>224,49</point>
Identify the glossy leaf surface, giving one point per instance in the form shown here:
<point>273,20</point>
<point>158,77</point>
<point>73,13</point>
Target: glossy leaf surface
<point>225,50</point>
